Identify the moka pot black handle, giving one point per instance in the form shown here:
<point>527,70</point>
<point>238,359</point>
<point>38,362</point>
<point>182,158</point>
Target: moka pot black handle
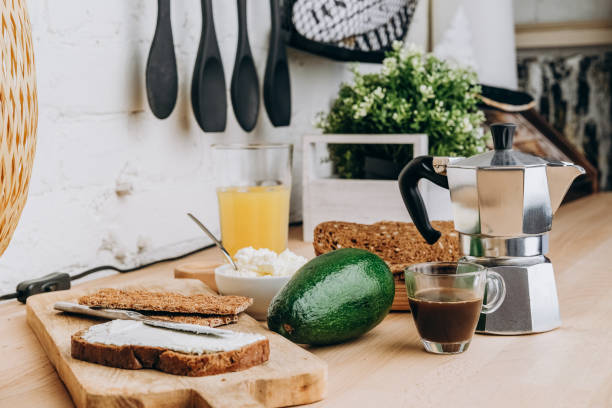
<point>418,168</point>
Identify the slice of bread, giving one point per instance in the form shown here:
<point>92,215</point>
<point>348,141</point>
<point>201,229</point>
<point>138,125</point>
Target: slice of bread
<point>138,356</point>
<point>398,243</point>
<point>143,300</point>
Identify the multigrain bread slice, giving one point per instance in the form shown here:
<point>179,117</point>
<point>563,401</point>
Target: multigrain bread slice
<point>210,321</point>
<point>134,357</point>
<point>143,300</point>
<point>399,244</point>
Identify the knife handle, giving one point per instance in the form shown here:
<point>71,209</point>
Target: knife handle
<point>70,307</point>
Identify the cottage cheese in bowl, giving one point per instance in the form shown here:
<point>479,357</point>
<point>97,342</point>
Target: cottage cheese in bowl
<point>263,262</point>
<point>261,274</point>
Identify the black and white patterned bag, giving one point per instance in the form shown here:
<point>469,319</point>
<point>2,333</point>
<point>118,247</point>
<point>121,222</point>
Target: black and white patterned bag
<point>347,30</point>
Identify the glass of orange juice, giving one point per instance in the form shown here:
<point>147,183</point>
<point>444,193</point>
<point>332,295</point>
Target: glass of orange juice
<point>253,188</point>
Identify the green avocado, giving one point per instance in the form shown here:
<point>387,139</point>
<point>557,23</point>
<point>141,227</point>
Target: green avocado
<point>333,298</point>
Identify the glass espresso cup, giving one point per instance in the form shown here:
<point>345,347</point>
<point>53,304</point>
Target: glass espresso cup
<point>446,299</point>
<point>253,188</point>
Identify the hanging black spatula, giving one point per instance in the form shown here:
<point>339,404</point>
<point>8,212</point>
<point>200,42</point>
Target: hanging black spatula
<point>245,85</point>
<point>160,76</point>
<point>276,86</point>
<point>208,97</point>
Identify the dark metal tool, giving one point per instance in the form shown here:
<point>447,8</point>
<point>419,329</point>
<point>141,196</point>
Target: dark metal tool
<point>277,86</point>
<point>245,84</point>
<point>208,97</point>
<point>161,75</point>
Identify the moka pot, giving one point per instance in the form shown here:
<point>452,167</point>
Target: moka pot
<point>503,203</point>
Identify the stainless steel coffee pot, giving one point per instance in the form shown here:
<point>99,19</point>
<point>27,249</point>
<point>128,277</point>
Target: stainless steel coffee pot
<point>503,202</point>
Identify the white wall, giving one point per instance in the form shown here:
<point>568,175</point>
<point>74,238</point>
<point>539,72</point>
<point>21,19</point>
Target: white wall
<point>483,29</point>
<point>560,11</point>
<point>97,136</point>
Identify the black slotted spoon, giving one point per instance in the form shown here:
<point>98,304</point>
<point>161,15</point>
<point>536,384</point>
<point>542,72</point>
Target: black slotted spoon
<point>208,98</point>
<point>161,75</point>
<point>245,84</point>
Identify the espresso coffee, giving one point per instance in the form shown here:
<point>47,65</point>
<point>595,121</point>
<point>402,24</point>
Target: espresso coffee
<point>445,315</point>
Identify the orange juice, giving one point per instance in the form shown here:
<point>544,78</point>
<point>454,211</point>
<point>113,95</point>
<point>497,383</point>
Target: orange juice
<point>254,216</point>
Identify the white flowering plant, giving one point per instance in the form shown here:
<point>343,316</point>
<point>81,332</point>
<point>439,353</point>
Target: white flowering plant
<point>414,92</point>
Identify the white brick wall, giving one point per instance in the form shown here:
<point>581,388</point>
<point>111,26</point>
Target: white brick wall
<point>96,135</point>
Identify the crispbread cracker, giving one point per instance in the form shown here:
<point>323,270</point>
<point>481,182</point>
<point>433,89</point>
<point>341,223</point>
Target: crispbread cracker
<point>210,321</point>
<point>166,302</point>
<point>399,244</point>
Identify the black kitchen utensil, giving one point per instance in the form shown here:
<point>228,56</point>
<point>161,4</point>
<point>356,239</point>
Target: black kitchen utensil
<point>161,76</point>
<point>208,98</point>
<point>245,85</point>
<point>277,86</point>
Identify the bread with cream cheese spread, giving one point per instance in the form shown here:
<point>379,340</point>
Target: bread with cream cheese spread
<point>166,359</point>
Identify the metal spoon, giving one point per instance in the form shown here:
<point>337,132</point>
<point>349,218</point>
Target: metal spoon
<point>215,240</point>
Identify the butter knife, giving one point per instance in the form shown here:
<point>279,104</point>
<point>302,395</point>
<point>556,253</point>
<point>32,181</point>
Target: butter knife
<point>112,314</point>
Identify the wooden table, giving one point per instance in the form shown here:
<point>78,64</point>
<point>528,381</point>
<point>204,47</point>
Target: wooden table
<point>570,366</point>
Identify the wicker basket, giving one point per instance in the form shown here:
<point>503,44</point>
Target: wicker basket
<point>18,114</point>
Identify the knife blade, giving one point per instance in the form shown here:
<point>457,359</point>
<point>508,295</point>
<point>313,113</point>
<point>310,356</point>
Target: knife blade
<point>112,314</point>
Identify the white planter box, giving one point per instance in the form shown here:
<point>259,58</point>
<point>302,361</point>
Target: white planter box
<point>326,198</point>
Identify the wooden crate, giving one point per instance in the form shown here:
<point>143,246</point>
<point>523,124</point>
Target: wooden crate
<point>328,198</point>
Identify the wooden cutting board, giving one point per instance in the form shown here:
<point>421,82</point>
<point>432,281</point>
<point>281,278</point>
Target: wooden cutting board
<point>292,376</point>
<point>203,271</point>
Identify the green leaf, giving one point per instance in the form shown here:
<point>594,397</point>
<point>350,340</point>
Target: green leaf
<point>413,86</point>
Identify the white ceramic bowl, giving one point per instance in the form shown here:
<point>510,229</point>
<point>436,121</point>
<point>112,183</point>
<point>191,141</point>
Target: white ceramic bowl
<point>261,289</point>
